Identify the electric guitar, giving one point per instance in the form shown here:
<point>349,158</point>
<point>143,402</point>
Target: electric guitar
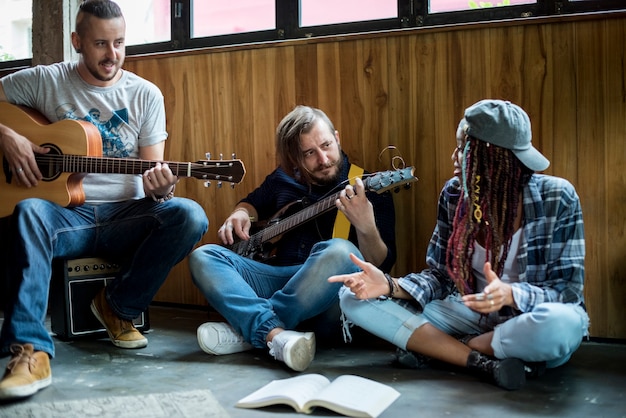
<point>259,246</point>
<point>76,150</point>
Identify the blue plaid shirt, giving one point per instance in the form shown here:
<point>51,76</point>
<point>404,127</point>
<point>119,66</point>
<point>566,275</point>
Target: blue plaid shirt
<point>550,257</point>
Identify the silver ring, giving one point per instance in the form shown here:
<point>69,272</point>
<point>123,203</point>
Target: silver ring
<point>19,170</point>
<point>489,296</point>
<point>491,302</point>
<point>229,226</point>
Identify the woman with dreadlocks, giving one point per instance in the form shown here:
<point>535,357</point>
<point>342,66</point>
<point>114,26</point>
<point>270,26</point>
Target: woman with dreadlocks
<point>503,291</point>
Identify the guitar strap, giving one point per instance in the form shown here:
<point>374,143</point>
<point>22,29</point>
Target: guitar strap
<point>342,224</point>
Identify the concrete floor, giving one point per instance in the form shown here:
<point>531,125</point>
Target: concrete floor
<point>592,384</point>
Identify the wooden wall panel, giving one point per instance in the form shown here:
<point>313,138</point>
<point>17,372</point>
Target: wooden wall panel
<point>408,90</point>
<point>611,303</point>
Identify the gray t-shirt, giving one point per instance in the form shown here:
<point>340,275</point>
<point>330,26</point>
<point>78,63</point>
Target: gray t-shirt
<point>128,115</point>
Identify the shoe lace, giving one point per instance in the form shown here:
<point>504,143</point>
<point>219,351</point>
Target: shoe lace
<point>227,336</point>
<point>125,326</point>
<point>20,355</point>
<point>276,348</point>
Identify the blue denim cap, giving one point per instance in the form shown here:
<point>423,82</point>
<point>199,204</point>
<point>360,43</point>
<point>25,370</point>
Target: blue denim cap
<point>506,125</point>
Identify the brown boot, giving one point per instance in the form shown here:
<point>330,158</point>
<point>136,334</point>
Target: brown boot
<point>27,372</point>
<point>122,332</point>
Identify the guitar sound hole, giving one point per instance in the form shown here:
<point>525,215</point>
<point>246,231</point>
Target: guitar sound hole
<point>50,167</point>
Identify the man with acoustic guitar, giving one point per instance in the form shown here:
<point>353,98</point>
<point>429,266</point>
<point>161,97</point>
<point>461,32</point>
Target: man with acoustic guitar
<point>131,218</point>
<point>265,295</point>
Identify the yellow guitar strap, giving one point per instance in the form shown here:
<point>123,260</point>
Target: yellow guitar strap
<point>342,224</point>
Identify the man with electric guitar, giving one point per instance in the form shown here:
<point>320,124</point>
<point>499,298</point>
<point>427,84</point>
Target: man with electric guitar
<point>265,291</point>
<point>127,216</point>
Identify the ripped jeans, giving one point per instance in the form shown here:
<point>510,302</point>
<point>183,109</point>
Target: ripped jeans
<point>551,332</point>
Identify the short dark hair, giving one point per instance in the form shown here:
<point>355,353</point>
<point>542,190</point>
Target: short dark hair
<point>102,9</point>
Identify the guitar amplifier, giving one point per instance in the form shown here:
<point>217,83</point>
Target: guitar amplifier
<point>74,285</point>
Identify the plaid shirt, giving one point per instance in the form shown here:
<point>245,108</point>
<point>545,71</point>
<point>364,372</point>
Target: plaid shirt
<point>550,257</point>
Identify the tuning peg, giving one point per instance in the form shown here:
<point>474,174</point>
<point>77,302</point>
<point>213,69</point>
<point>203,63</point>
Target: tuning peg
<point>232,156</point>
<point>221,156</point>
<point>208,155</point>
<point>207,183</point>
<point>232,185</point>
<point>219,184</point>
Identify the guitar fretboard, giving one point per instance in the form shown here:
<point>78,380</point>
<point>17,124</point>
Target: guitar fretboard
<point>52,164</point>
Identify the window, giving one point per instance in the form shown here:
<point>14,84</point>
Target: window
<point>316,12</point>
<point>439,6</point>
<point>223,17</point>
<point>171,25</point>
<point>16,27</point>
<point>147,21</point>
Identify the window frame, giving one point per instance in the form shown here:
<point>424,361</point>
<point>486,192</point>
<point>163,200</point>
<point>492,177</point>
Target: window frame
<point>411,14</point>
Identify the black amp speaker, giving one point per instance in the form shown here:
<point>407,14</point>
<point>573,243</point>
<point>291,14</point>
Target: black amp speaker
<point>74,285</point>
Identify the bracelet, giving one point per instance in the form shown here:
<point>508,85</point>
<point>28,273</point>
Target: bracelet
<point>161,199</point>
<point>392,285</point>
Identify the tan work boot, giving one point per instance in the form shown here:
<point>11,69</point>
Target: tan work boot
<point>27,372</point>
<point>122,332</point>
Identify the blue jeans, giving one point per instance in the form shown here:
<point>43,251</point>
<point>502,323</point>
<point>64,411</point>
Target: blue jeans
<point>148,237</point>
<point>255,298</point>
<point>551,332</point>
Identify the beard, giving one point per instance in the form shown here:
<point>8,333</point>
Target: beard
<point>94,71</point>
<point>330,179</point>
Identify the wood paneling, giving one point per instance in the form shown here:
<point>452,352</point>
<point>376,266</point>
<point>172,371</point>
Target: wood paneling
<point>408,90</point>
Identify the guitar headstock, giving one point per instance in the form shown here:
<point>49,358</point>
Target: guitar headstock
<point>386,180</point>
<point>231,171</point>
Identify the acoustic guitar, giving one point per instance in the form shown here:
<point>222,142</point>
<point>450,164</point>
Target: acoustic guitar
<point>260,245</point>
<point>76,150</point>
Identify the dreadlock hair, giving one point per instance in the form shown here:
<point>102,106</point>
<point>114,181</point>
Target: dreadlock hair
<point>102,9</point>
<point>491,185</point>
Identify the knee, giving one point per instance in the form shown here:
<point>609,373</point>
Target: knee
<point>560,326</point>
<point>337,249</point>
<point>191,216</point>
<point>28,208</point>
<point>200,261</point>
<point>347,301</point>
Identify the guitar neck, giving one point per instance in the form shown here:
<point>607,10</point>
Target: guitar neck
<point>379,183</point>
<point>227,170</point>
<point>83,164</point>
<point>306,214</point>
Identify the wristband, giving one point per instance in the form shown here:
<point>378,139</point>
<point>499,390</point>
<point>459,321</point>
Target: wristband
<point>392,285</point>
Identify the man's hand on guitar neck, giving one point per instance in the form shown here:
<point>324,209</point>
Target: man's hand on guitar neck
<point>19,152</point>
<point>239,223</point>
<point>359,210</point>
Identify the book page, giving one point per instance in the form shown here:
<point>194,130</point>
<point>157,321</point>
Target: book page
<point>355,396</point>
<point>294,391</point>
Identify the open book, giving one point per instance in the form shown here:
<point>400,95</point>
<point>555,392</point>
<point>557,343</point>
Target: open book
<point>348,395</point>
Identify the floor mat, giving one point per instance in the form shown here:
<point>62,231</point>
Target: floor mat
<point>197,403</point>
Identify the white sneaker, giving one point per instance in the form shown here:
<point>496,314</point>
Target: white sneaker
<point>296,349</point>
<point>219,338</point>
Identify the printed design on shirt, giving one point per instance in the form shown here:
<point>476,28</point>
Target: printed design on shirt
<point>113,140</point>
